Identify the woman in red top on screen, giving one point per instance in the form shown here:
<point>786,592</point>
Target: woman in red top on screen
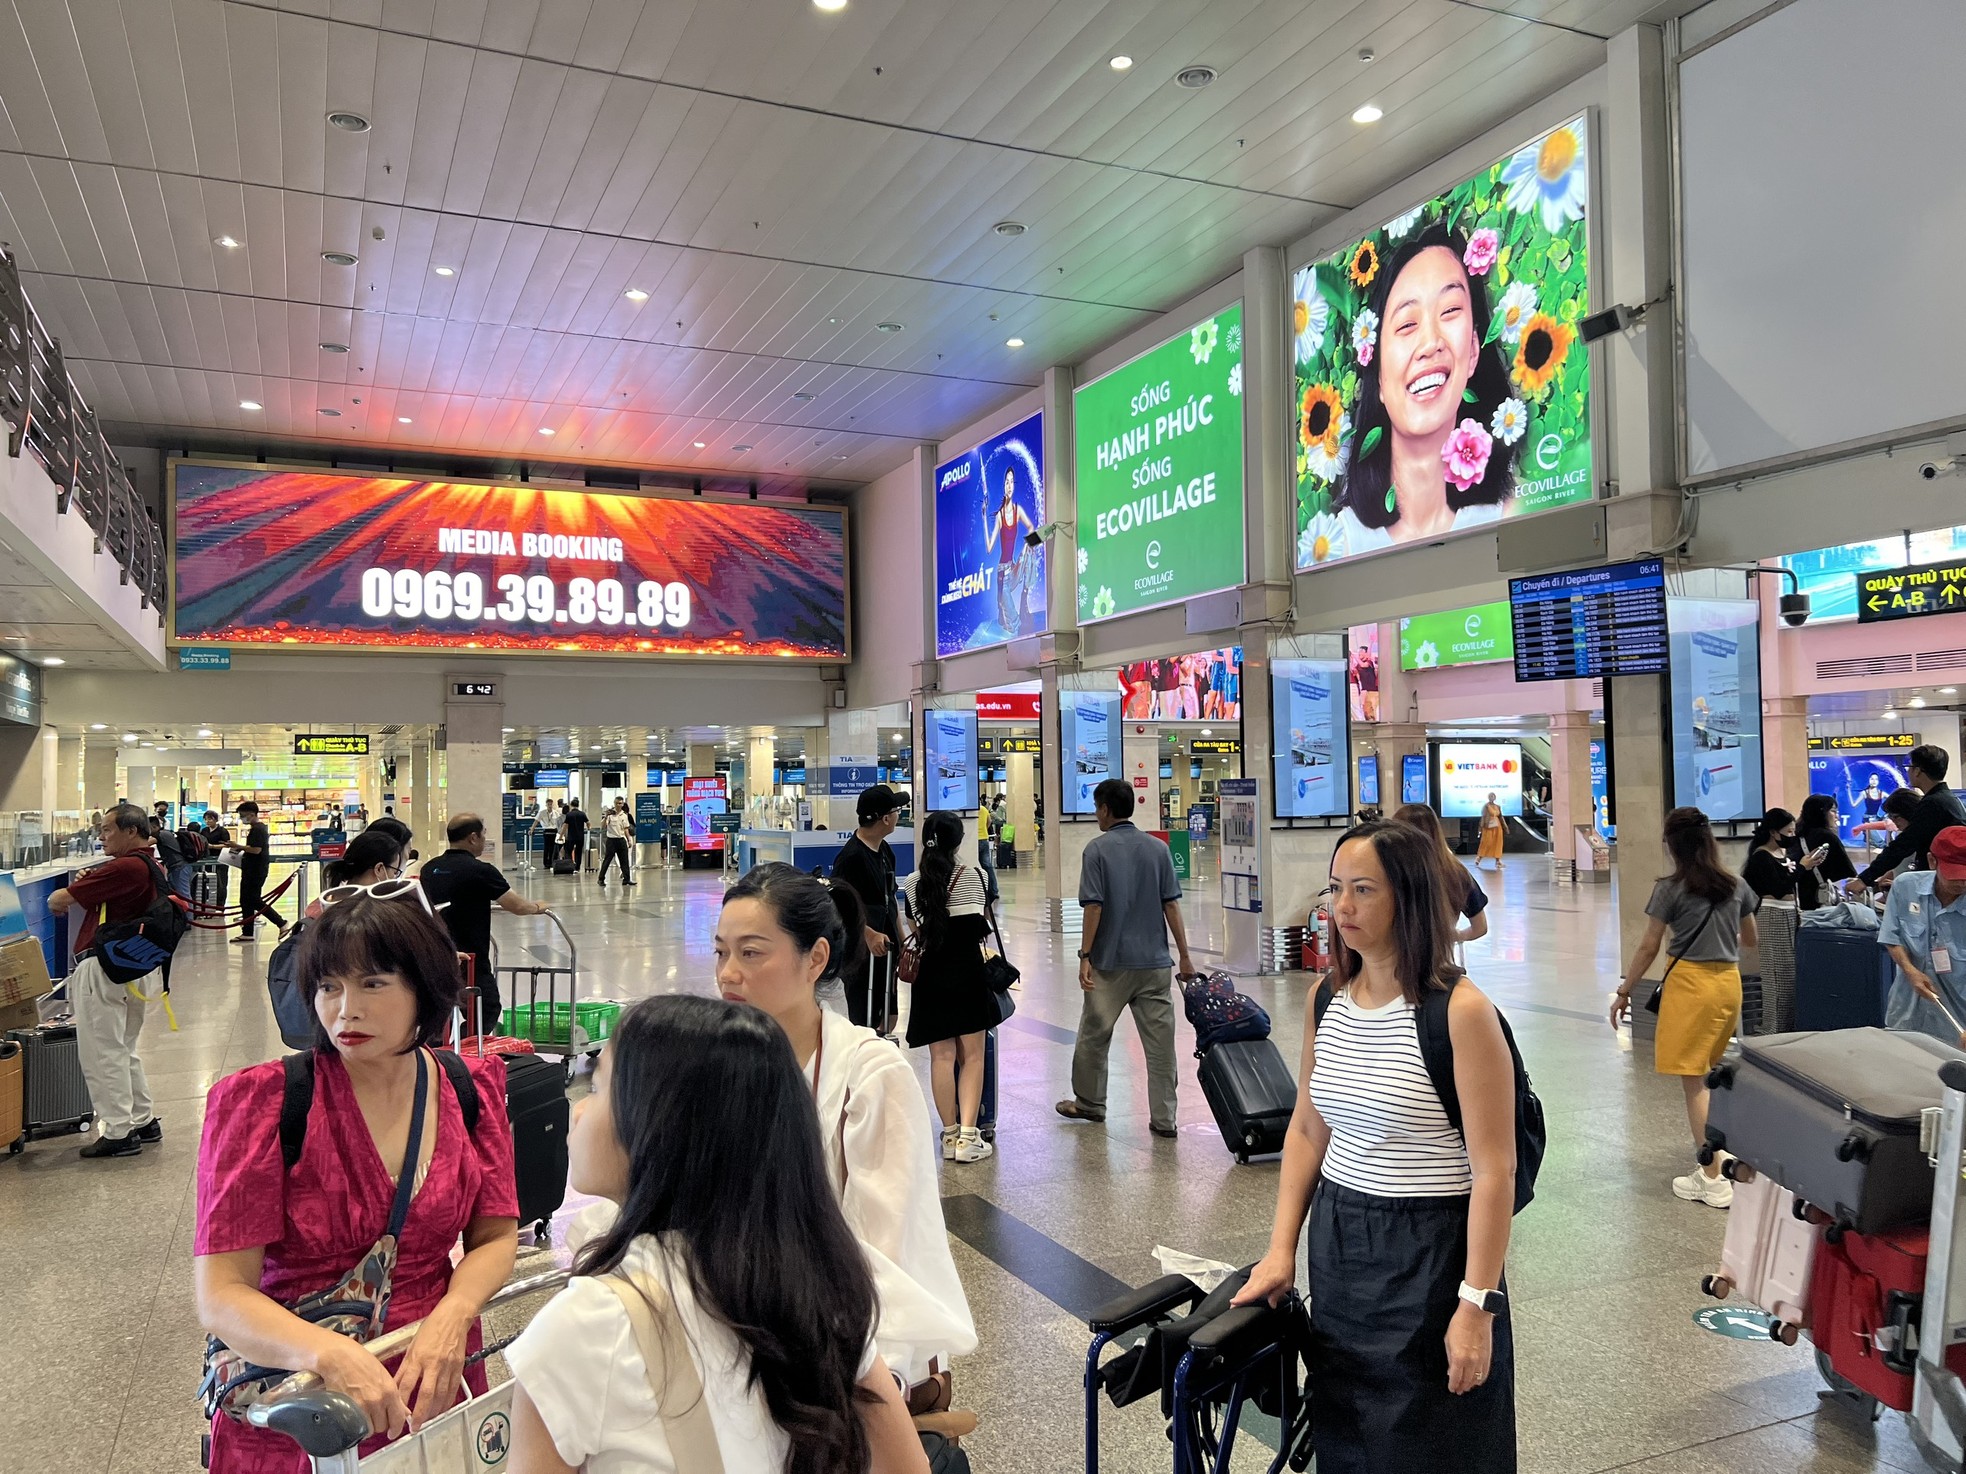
<point>381,973</point>
<point>1431,390</point>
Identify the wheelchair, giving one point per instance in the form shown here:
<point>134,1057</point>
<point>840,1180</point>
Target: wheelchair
<point>1207,1362</point>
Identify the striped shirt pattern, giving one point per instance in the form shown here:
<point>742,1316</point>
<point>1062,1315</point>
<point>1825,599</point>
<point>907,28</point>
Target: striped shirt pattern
<point>966,897</point>
<point>1389,1134</point>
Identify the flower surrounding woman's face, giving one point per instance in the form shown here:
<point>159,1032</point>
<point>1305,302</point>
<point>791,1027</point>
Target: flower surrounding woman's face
<point>1427,347</point>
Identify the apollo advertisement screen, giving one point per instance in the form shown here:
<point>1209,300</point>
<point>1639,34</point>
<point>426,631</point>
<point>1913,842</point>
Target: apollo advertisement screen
<point>989,580</point>
<point>949,739</point>
<point>331,560</point>
<point>1471,771</point>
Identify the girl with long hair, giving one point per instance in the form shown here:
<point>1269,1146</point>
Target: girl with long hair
<point>1817,831</point>
<point>749,1275</point>
<point>1413,1366</point>
<point>1703,914</point>
<point>1472,904</point>
<point>953,1009</point>
<point>1772,869</point>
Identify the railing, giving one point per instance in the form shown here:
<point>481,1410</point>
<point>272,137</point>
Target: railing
<point>41,411</point>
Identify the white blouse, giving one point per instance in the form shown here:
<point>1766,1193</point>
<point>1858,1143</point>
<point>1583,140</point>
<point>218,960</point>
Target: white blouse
<point>966,895</point>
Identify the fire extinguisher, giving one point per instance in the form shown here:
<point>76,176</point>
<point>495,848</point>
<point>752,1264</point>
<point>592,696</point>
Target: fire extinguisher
<point>1320,939</point>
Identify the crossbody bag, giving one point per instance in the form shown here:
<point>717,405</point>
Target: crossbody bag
<point>1652,1003</point>
<point>672,1373</point>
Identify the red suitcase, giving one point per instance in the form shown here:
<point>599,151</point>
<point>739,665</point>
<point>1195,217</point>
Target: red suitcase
<point>1865,1299</point>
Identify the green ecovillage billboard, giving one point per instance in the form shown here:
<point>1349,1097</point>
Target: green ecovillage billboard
<point>1470,636</point>
<point>1158,446</point>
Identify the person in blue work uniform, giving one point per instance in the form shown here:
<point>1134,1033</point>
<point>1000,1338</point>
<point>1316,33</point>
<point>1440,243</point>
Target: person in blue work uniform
<point>1924,930</point>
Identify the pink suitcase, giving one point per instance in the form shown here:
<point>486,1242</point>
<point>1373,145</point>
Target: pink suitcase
<point>1769,1252</point>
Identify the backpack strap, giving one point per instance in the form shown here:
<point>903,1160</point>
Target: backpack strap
<point>1322,1001</point>
<point>1437,1049</point>
<point>295,1102</point>
<point>463,1087</point>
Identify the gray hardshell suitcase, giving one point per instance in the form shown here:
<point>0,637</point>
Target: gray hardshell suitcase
<point>1833,1116</point>
<point>55,1096</point>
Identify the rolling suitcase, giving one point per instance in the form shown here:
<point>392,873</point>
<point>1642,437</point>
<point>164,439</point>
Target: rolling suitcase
<point>1251,1092</point>
<point>1842,977</point>
<point>986,1114</point>
<point>1867,1295</point>
<point>13,1097</point>
<point>536,1102</point>
<point>1834,1116</point>
<point>563,863</point>
<point>55,1096</point>
<point>1768,1255</point>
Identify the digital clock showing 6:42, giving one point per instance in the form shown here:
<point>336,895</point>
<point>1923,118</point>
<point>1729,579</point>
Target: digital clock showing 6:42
<point>516,599</point>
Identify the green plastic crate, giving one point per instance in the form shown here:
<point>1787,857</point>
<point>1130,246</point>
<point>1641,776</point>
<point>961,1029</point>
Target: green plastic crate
<point>567,1025</point>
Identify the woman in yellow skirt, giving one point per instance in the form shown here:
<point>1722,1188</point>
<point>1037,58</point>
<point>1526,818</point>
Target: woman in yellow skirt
<point>1491,834</point>
<point>1703,913</point>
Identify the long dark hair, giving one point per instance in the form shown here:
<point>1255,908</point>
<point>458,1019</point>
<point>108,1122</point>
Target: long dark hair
<point>942,838</point>
<point>810,910</point>
<point>1772,823</point>
<point>1422,818</point>
<point>1816,810</point>
<point>1423,911</point>
<point>1369,477</point>
<point>769,1251</point>
<point>1696,863</point>
<point>370,848</point>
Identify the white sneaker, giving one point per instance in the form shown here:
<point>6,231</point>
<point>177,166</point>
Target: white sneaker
<point>1697,1187</point>
<point>971,1147</point>
<point>949,1139</point>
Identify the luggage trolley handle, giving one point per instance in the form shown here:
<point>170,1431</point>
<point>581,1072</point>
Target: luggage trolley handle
<point>327,1424</point>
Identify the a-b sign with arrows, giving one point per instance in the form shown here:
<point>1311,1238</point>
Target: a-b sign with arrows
<point>1906,593</point>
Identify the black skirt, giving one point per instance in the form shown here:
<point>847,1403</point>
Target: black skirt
<point>951,997</point>
<point>1385,1275</point>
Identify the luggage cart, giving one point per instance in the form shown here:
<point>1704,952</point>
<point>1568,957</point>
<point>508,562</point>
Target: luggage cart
<point>475,1437</point>
<point>557,1021</point>
<point>1938,1409</point>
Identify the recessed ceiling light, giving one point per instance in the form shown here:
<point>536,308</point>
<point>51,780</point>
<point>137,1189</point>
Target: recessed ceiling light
<point>1013,342</point>
<point>129,736</point>
<point>697,443</point>
<point>53,660</point>
<point>545,431</point>
<point>334,347</point>
<point>1948,690</point>
<point>829,6</point>
<point>204,731</point>
<point>98,726</point>
<point>333,414</point>
<point>402,419</point>
<point>832,322</point>
<point>636,294</point>
<point>447,271</point>
<point>1917,703</point>
<point>840,457</point>
<point>338,258</point>
<point>1366,53</point>
<point>1194,78</point>
<point>803,397</point>
<point>226,241</point>
<point>1889,713</point>
<point>740,447</point>
<point>1370,113</point>
<point>249,404</point>
<point>507,730</point>
<point>1121,63</point>
<point>1010,227</point>
<point>1206,731</point>
<point>889,327</point>
<point>348,122</point>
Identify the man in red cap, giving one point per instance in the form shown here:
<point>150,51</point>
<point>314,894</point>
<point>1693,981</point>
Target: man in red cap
<point>1924,930</point>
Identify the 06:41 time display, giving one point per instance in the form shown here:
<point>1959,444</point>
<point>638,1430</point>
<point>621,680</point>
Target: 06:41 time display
<point>410,593</point>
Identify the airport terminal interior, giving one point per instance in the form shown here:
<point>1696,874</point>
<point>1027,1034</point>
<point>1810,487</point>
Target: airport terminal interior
<point>674,435</point>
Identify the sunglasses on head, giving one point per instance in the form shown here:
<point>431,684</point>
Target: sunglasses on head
<point>404,888</point>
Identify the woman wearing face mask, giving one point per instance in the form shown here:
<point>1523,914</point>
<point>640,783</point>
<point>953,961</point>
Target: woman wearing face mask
<point>750,1282</point>
<point>1773,869</point>
<point>782,936</point>
<point>381,975</point>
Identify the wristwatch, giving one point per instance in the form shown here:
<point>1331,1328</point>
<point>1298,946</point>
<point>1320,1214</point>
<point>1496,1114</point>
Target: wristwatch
<point>1493,1302</point>
<point>1085,956</point>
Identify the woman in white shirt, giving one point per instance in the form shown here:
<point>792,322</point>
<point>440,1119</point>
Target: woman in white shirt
<point>640,1363</point>
<point>783,935</point>
<point>1409,1219</point>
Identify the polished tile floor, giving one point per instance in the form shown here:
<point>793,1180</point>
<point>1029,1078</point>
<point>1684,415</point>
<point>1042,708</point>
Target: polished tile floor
<point>99,1346</point>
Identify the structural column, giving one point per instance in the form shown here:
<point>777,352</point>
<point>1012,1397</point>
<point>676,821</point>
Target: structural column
<point>474,759</point>
<point>760,780</point>
<point>1640,779</point>
<point>1570,787</point>
<point>415,809</point>
<point>99,788</point>
<point>1785,751</point>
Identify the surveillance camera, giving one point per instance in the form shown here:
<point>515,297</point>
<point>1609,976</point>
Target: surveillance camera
<point>1933,470</point>
<point>1794,610</point>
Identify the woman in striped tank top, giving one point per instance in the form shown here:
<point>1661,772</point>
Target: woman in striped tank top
<point>1414,1369</point>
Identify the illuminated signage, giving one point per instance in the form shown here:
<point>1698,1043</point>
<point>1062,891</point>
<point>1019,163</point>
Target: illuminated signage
<point>474,688</point>
<point>1907,593</point>
<point>1896,741</point>
<point>331,744</point>
<point>1220,746</point>
<point>1007,706</point>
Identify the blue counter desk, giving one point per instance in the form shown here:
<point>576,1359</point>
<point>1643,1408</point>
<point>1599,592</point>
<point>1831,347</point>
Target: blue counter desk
<point>813,849</point>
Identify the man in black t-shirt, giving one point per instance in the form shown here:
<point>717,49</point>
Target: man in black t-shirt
<point>576,822</point>
<point>866,862</point>
<point>254,862</point>
<point>464,887</point>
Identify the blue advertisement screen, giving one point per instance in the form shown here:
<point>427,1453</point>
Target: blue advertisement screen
<point>1368,781</point>
<point>1860,782</point>
<point>1413,778</point>
<point>1601,790</point>
<point>1308,708</point>
<point>989,585</point>
<point>1715,647</point>
<point>1090,725</point>
<point>951,749</point>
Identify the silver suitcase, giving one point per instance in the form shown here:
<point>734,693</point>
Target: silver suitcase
<point>55,1097</point>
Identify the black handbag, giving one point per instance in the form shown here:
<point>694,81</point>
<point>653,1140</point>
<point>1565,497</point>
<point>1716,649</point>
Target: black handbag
<point>999,971</point>
<point>1652,1003</point>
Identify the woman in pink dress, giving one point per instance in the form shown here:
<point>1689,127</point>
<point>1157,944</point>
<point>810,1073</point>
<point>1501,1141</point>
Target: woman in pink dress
<point>382,977</point>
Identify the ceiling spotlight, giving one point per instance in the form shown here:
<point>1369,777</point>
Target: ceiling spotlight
<point>636,294</point>
<point>204,731</point>
<point>226,241</point>
<point>697,443</point>
<point>334,347</point>
<point>740,448</point>
<point>1121,63</point>
<point>830,6</point>
<point>1366,53</point>
<point>1370,113</point>
<point>1194,78</point>
<point>53,660</point>
<point>1889,713</point>
<point>1010,227</point>
<point>803,397</point>
<point>249,404</point>
<point>1013,342</point>
<point>1948,690</point>
<point>348,122</point>
<point>447,271</point>
<point>545,431</point>
<point>506,730</point>
<point>338,258</point>
<point>129,736</point>
<point>333,414</point>
<point>888,327</point>
<point>1917,703</point>
<point>98,726</point>
<point>402,419</point>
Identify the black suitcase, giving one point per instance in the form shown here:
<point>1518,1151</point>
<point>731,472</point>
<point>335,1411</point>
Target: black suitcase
<point>536,1101</point>
<point>986,1114</point>
<point>563,864</point>
<point>1842,977</point>
<point>1006,856</point>
<point>55,1097</point>
<point>1251,1091</point>
<point>1834,1117</point>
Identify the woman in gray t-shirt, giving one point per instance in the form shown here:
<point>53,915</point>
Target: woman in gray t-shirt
<point>1702,914</point>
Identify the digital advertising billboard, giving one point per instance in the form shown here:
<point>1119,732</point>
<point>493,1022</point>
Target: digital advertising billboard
<point>1203,687</point>
<point>989,584</point>
<point>703,798</point>
<point>1470,771</point>
<point>1442,383</point>
<point>1470,636</point>
<point>1362,675</point>
<point>333,560</point>
<point>1715,663</point>
<point>1860,782</point>
<point>949,741</point>
<point>1311,740</point>
<point>1089,722</point>
<point>1158,449</point>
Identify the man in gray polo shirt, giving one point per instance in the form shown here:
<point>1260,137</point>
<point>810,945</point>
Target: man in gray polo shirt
<point>1131,901</point>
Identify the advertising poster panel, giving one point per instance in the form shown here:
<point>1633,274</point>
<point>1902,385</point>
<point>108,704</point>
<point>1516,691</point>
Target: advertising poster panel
<point>989,583</point>
<point>703,798</point>
<point>1310,738</point>
<point>1413,778</point>
<point>1158,450</point>
<point>950,738</point>
<point>1090,723</point>
<point>1368,781</point>
<point>1470,636</point>
<point>1860,782</point>
<point>1442,383</point>
<point>1204,687</point>
<point>1714,655</point>
<point>1470,771</point>
<point>1362,640</point>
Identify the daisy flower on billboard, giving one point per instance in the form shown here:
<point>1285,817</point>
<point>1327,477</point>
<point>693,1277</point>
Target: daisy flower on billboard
<point>1515,308</point>
<point>1550,175</point>
<point>1365,334</point>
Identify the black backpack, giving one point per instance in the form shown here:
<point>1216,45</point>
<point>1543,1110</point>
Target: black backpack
<point>1437,1053</point>
<point>299,1029</point>
<point>128,950</point>
<point>192,842</point>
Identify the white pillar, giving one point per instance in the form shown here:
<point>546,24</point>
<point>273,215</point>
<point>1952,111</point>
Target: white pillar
<point>474,762</point>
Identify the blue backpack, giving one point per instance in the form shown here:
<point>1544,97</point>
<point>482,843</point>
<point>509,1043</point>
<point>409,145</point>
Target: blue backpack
<point>1220,1014</point>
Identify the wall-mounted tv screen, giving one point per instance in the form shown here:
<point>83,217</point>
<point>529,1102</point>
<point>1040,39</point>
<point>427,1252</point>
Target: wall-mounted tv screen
<point>1607,621</point>
<point>989,583</point>
<point>1089,723</point>
<point>1310,738</point>
<point>1471,771</point>
<point>950,746</point>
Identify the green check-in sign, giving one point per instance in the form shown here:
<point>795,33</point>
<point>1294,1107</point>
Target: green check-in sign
<point>1468,636</point>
